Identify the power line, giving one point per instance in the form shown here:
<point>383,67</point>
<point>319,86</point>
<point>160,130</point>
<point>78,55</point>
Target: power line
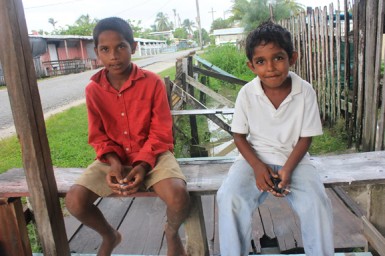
<point>55,4</point>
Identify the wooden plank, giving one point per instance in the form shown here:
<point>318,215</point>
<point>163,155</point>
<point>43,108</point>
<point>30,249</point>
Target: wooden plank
<point>333,105</point>
<point>211,66</point>
<point>282,223</point>
<point>377,74</point>
<point>205,175</point>
<point>198,105</point>
<point>257,231</point>
<point>14,239</point>
<point>196,241</point>
<point>143,227</point>
<point>216,96</point>
<point>19,72</point>
<point>376,240</point>
<point>214,111</point>
<point>216,249</point>
<point>222,77</point>
<point>347,226</point>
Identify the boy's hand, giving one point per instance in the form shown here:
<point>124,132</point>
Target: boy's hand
<point>115,178</point>
<point>133,180</point>
<point>263,174</point>
<point>281,184</point>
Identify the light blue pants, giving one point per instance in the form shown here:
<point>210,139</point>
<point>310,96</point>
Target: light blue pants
<point>239,196</point>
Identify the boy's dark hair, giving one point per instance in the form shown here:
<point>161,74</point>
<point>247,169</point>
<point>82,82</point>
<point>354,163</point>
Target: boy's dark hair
<point>269,32</point>
<point>116,24</point>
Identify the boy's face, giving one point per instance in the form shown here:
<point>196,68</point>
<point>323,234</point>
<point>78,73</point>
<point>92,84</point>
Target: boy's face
<point>271,64</point>
<point>114,52</point>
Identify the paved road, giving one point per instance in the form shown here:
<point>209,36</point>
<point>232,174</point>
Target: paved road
<point>60,93</point>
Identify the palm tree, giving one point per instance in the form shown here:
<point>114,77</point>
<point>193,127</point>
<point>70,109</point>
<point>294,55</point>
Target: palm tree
<point>52,22</point>
<point>188,25</point>
<point>162,22</point>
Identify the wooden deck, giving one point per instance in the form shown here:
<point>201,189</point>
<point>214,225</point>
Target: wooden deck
<point>275,227</point>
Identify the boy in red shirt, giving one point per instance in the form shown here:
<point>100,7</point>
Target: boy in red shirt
<point>130,128</point>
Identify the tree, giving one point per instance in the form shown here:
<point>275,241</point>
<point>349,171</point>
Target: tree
<point>162,22</point>
<point>180,33</point>
<point>83,26</point>
<point>205,36</point>
<point>52,22</point>
<point>136,28</point>
<point>188,25</point>
<point>251,13</point>
<point>221,23</point>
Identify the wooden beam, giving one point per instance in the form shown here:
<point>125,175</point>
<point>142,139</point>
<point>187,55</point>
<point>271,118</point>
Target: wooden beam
<point>209,92</point>
<point>222,77</point>
<point>212,111</point>
<point>375,239</point>
<point>196,237</point>
<point>196,104</point>
<point>13,233</point>
<point>16,59</point>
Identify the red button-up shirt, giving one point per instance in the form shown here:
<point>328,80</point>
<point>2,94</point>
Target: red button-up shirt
<point>134,122</point>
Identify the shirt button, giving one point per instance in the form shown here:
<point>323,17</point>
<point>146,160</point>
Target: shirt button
<point>122,114</point>
<point>127,149</point>
<point>125,132</point>
<point>119,94</point>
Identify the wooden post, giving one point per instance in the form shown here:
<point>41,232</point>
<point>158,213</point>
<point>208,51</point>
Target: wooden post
<point>13,233</point>
<point>16,59</point>
<point>193,120</point>
<point>196,237</point>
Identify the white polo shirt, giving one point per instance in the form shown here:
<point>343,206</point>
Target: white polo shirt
<point>273,133</point>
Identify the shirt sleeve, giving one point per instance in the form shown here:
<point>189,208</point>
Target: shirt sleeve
<point>240,123</point>
<point>311,125</point>
<point>160,137</point>
<point>97,136</point>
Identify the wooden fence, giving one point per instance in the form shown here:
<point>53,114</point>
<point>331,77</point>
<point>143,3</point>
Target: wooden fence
<point>340,53</point>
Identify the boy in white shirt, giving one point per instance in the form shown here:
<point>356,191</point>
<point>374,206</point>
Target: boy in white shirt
<point>276,115</point>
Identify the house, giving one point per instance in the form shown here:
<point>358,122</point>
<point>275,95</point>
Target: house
<point>62,54</point>
<point>228,35</point>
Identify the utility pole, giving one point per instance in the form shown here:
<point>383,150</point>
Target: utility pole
<point>199,26</point>
<point>212,13</point>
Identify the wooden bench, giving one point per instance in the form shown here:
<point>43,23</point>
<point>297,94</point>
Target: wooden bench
<point>204,176</point>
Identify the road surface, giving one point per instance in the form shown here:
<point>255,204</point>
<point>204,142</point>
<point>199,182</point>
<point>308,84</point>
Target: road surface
<point>60,93</point>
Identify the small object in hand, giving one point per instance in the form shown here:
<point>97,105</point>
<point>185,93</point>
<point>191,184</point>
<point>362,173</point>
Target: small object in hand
<point>276,181</point>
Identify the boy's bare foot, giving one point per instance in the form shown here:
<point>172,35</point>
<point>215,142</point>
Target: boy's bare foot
<point>174,243</point>
<point>109,243</point>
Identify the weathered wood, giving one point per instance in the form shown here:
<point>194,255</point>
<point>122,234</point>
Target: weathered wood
<point>143,233</point>
<point>13,232</point>
<point>338,66</point>
<point>196,238</point>
<point>212,111</point>
<point>333,106</point>
<point>205,175</point>
<point>379,132</point>
<point>16,60</point>
<point>229,79</point>
<point>376,240</point>
<point>216,96</point>
<point>196,104</point>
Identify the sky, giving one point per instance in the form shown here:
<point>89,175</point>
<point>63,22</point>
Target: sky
<point>66,12</point>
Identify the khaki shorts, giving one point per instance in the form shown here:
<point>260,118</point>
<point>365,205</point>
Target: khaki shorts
<point>94,177</point>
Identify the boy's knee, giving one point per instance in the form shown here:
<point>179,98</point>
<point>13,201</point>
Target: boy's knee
<point>77,199</point>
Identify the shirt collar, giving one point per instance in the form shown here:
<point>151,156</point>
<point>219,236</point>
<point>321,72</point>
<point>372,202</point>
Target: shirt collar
<point>101,78</point>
